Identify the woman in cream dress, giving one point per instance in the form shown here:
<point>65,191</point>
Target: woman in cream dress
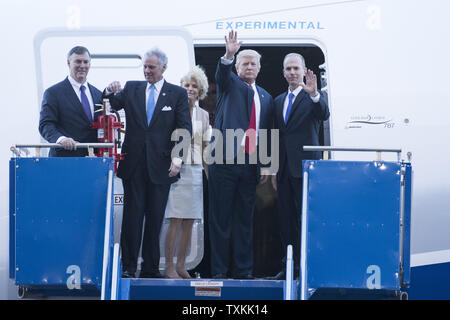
<point>185,202</point>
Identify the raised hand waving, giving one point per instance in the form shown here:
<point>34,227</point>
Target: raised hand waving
<point>310,84</point>
<point>232,45</point>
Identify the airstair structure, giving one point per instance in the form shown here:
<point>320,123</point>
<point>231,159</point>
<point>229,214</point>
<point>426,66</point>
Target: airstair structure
<point>354,240</point>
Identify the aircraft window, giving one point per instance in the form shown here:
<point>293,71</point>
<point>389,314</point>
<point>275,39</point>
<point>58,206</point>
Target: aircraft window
<point>116,61</point>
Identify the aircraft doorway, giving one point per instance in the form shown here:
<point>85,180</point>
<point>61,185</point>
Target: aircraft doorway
<point>267,245</point>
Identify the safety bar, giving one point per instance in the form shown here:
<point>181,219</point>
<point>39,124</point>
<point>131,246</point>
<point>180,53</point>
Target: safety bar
<point>19,148</point>
<point>289,287</point>
<point>116,276</point>
<point>107,239</point>
<point>378,151</point>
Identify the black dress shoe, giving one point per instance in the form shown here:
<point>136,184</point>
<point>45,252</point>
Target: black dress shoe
<point>220,276</point>
<point>279,276</point>
<point>127,274</point>
<point>155,275</point>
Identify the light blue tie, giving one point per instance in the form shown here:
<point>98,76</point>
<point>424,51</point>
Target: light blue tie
<point>150,104</point>
<point>288,110</point>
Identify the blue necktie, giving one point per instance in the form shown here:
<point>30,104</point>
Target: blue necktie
<point>288,110</point>
<point>85,103</point>
<point>150,104</point>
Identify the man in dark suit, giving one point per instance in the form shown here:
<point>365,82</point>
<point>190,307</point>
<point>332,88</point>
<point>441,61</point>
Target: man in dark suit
<point>244,106</point>
<point>299,113</point>
<point>154,109</point>
<point>68,108</point>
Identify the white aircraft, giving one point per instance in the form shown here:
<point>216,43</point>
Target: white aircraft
<point>383,63</point>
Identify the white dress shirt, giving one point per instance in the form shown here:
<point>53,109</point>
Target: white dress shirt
<point>296,92</point>
<point>77,88</point>
<point>255,98</point>
<point>158,87</point>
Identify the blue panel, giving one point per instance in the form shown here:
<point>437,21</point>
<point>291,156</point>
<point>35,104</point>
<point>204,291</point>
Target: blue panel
<point>430,282</point>
<point>353,224</point>
<point>60,219</point>
<point>12,218</point>
<point>169,289</point>
<point>407,226</point>
<point>124,289</point>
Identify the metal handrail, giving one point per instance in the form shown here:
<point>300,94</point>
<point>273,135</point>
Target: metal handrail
<point>289,288</point>
<point>17,149</point>
<point>378,151</point>
<point>57,145</point>
<point>106,242</point>
<point>115,273</point>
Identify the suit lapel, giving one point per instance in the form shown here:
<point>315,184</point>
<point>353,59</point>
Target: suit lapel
<point>73,98</point>
<point>295,106</point>
<point>262,108</point>
<point>251,95</point>
<point>280,111</point>
<point>161,102</point>
<point>141,105</point>
<point>96,98</point>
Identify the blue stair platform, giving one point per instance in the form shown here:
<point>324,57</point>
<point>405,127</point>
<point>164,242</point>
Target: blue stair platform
<point>200,289</point>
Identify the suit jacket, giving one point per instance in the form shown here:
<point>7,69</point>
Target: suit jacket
<point>62,114</point>
<point>234,106</point>
<point>302,128</point>
<point>154,139</point>
<point>201,134</point>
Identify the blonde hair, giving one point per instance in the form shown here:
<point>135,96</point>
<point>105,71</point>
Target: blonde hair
<point>198,75</point>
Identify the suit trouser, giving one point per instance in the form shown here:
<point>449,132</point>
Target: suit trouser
<point>142,198</point>
<point>232,194</point>
<point>289,192</point>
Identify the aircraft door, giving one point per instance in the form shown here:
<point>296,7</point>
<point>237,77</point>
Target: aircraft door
<point>116,55</point>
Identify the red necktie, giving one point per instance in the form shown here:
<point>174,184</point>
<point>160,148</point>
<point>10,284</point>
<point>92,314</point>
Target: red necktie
<point>250,140</point>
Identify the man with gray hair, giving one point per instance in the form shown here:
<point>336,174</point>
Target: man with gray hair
<point>299,112</point>
<point>154,109</point>
<point>242,106</point>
